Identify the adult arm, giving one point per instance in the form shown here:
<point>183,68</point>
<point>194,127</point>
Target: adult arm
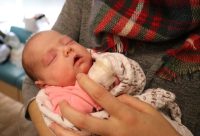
<point>29,91</point>
<point>37,120</point>
<point>134,117</point>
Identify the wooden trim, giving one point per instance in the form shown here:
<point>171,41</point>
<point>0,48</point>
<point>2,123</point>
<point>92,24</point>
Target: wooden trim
<point>11,91</point>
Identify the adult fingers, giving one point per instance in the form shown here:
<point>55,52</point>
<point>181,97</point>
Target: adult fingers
<point>136,103</point>
<point>59,131</point>
<point>83,121</point>
<point>99,94</point>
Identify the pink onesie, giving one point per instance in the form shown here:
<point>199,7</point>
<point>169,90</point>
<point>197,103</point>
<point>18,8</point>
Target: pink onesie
<point>73,95</point>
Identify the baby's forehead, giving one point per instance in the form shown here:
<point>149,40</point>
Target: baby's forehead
<point>42,42</point>
<point>44,34</point>
<point>48,33</point>
<point>40,38</point>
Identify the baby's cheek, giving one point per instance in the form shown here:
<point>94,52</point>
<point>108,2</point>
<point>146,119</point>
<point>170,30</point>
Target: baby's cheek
<point>67,80</point>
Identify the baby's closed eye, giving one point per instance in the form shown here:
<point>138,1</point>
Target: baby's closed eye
<point>48,58</point>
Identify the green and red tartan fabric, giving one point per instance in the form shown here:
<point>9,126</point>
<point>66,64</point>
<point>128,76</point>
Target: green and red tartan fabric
<point>182,61</point>
<point>119,21</point>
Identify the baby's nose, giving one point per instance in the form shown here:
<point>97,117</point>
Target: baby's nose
<point>67,51</point>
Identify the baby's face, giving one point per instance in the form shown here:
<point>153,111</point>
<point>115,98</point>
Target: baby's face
<point>59,58</point>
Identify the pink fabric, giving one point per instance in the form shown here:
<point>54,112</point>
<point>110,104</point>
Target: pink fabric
<point>73,95</point>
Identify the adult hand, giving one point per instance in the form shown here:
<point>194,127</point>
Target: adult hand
<point>128,115</point>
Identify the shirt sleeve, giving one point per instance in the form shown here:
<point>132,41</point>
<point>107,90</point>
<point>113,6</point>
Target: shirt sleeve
<point>29,91</point>
<point>69,19</point>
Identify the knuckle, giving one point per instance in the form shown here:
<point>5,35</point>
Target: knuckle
<point>122,97</point>
<point>150,109</point>
<point>59,133</point>
<point>81,123</point>
<point>99,95</point>
<point>129,118</point>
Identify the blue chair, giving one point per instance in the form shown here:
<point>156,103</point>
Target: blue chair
<point>10,73</point>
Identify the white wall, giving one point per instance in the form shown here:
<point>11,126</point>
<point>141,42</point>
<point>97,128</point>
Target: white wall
<point>12,12</point>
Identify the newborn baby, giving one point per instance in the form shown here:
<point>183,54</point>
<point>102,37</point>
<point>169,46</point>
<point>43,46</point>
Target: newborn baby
<point>112,70</point>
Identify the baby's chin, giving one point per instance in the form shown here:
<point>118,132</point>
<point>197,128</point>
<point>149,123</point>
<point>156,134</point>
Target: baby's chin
<point>64,84</point>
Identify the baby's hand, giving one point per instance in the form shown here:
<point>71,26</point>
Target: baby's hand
<point>115,83</point>
<point>102,73</point>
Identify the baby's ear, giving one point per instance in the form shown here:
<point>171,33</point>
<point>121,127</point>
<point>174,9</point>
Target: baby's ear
<point>40,84</point>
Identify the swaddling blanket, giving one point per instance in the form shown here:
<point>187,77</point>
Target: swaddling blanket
<point>106,67</point>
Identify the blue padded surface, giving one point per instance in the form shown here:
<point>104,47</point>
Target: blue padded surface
<point>21,33</point>
<point>20,81</point>
<point>11,74</point>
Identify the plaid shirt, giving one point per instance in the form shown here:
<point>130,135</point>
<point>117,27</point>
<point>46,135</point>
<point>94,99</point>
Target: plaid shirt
<point>119,21</point>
